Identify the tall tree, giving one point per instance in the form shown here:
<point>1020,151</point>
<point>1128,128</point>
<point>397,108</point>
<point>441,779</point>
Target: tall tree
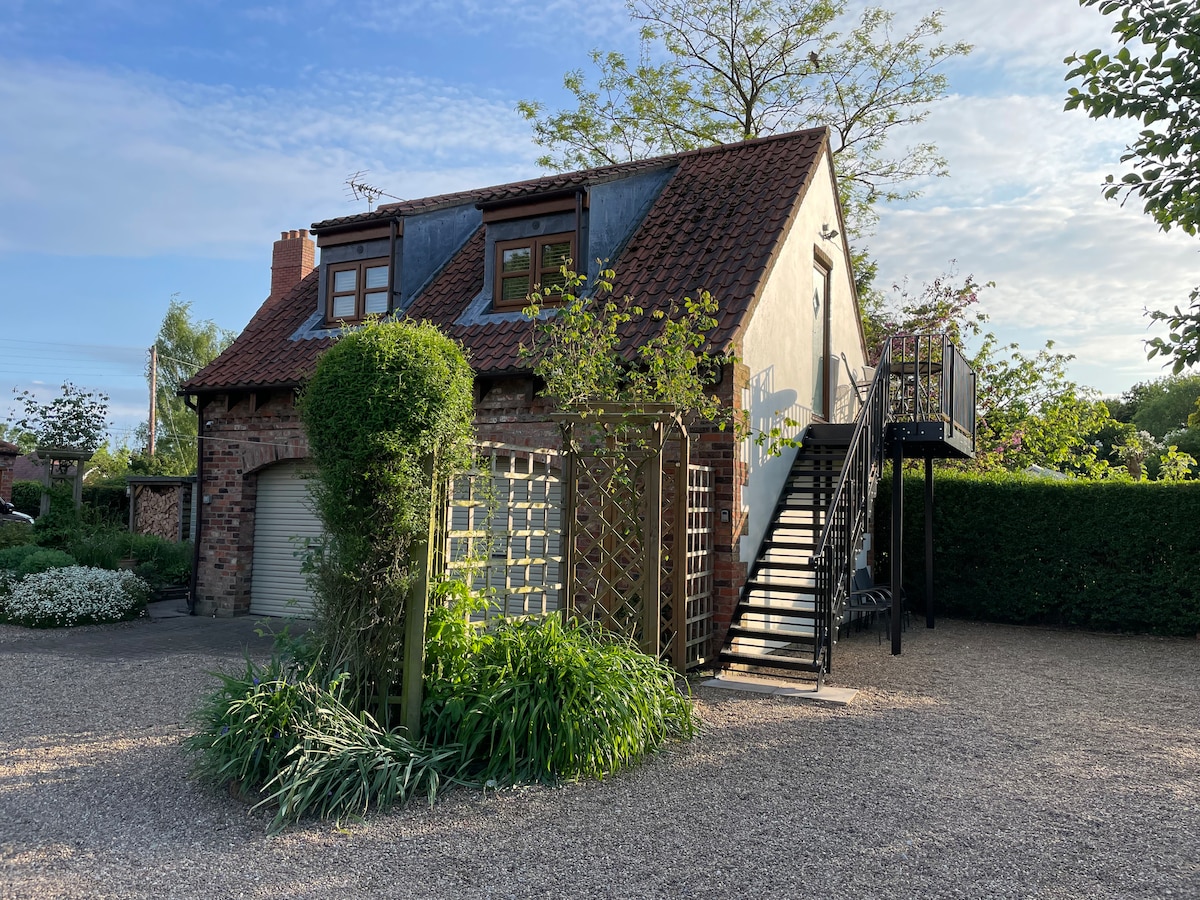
<point>1159,88</point>
<point>183,347</point>
<point>712,71</point>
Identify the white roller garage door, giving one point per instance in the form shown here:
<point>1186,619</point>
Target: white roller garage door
<point>283,523</point>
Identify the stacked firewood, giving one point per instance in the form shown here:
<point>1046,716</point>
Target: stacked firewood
<point>156,510</point>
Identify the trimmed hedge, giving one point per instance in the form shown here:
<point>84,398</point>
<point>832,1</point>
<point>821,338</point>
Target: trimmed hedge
<point>1108,556</point>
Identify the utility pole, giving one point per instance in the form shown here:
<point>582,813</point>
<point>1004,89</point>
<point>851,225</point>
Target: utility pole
<point>153,394</point>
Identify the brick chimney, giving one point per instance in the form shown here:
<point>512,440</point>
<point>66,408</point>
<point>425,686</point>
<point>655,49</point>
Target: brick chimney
<point>293,257</point>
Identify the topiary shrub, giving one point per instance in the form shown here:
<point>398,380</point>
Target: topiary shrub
<point>383,399</point>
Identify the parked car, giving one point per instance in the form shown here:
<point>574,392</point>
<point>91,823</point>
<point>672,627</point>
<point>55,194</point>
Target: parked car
<point>9,513</point>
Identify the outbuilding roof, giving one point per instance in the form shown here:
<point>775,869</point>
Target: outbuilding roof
<point>717,225</point>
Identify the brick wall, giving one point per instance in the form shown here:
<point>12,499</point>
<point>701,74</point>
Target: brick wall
<point>243,434</point>
<point>8,460</point>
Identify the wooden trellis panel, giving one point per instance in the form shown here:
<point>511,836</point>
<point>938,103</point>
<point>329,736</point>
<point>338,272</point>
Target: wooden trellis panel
<point>503,529</point>
<point>700,516</point>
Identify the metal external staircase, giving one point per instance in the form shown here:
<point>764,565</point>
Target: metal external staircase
<point>780,623</point>
<point>921,404</point>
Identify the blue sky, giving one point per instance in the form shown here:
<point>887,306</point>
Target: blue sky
<point>155,148</point>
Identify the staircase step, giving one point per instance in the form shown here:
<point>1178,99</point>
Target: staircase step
<point>757,584</point>
<point>796,609</point>
<point>772,661</point>
<point>771,544</point>
<point>794,634</point>
<point>787,565</point>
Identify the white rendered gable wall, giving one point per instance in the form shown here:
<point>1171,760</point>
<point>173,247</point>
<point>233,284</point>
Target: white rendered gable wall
<point>777,348</point>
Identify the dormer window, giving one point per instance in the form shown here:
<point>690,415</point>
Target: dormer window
<point>525,262</point>
<point>357,290</point>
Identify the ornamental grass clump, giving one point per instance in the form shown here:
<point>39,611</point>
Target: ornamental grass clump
<point>275,732</point>
<point>74,595</point>
<point>540,700</point>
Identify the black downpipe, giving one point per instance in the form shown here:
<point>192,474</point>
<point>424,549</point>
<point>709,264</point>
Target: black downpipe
<point>391,288</point>
<point>897,539</point>
<point>928,543</point>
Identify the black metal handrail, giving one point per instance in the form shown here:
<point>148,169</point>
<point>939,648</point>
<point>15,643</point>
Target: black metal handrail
<point>846,515</point>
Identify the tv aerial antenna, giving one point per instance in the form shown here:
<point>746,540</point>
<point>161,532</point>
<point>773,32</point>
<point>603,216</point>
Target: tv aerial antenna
<point>360,190</point>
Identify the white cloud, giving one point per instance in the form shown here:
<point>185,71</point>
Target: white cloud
<point>1023,207</point>
<point>120,163</point>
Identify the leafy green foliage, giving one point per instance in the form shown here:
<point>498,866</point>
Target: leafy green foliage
<point>274,731</point>
<point>1162,405</point>
<point>1157,89</point>
<point>75,418</point>
<point>13,534</point>
<point>184,347</point>
<point>579,352</point>
<point>537,700</point>
<point>1174,466</point>
<point>738,69</point>
<point>27,497</point>
<point>383,398</point>
<point>29,558</point>
<point>1105,555</point>
<point>1183,342</point>
<point>25,440</point>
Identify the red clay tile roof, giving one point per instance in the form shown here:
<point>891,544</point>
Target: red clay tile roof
<point>718,225</point>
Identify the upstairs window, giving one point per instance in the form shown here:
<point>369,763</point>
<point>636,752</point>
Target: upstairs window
<point>357,290</point>
<point>524,262</point>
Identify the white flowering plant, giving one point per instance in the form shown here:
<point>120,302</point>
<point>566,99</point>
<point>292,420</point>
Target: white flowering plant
<point>74,595</point>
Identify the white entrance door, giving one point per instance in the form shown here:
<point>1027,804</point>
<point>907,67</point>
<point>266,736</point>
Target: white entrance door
<point>284,522</point>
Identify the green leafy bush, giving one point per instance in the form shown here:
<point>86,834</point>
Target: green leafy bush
<point>74,595</point>
<point>1103,555</point>
<point>155,559</point>
<point>14,534</point>
<point>537,700</point>
<point>26,559</point>
<point>27,497</point>
<point>108,501</point>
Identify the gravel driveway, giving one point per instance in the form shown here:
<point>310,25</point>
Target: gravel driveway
<point>986,761</point>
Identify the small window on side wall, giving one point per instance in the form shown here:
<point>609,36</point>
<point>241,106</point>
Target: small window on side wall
<point>522,263</point>
<point>356,290</point>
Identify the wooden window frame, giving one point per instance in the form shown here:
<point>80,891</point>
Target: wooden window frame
<point>360,267</point>
<point>536,274</point>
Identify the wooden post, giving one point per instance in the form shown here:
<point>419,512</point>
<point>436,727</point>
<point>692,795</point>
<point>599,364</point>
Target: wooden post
<point>153,395</point>
<point>567,550</point>
<point>652,551</point>
<point>420,561</point>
